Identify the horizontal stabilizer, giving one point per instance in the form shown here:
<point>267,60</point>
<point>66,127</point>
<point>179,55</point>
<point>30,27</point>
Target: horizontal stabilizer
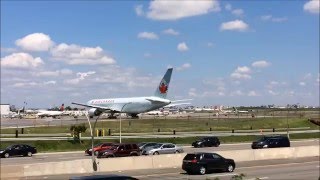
<point>177,104</point>
<point>181,100</point>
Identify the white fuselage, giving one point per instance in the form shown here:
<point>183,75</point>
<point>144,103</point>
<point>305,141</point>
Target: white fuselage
<point>133,105</point>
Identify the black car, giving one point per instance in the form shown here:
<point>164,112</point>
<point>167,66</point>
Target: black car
<point>207,142</point>
<point>271,142</point>
<point>18,150</point>
<point>202,163</point>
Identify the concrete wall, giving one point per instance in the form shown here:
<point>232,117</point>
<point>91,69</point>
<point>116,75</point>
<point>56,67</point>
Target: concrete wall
<point>148,162</point>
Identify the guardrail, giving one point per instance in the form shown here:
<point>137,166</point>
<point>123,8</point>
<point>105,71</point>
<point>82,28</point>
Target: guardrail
<point>148,162</point>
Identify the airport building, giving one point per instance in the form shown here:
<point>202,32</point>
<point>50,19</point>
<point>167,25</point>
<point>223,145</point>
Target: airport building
<point>5,109</point>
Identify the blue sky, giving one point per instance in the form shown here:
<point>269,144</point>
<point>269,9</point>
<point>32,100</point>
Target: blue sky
<point>222,52</point>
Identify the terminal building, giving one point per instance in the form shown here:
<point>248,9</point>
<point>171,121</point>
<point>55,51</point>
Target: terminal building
<point>5,109</point>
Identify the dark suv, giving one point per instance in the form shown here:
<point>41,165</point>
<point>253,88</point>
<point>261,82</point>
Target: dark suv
<point>271,142</point>
<point>120,150</point>
<point>207,142</point>
<point>204,162</point>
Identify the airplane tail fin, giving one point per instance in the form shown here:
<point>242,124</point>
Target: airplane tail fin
<point>235,109</point>
<point>163,87</point>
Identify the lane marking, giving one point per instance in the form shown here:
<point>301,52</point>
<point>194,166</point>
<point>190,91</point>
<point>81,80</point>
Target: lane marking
<point>258,178</point>
<point>287,164</point>
<point>221,175</point>
<point>164,174</point>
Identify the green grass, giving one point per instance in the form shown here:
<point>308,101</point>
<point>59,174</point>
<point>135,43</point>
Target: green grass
<point>63,145</point>
<point>180,125</point>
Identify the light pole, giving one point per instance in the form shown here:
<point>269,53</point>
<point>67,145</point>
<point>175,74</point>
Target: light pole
<point>94,163</point>
<point>120,117</point>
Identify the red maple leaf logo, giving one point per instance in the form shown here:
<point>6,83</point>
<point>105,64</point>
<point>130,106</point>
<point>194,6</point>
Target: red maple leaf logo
<point>163,88</point>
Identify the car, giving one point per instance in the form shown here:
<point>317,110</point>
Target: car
<point>120,150</point>
<point>145,145</point>
<point>18,150</point>
<point>271,142</point>
<point>98,147</point>
<point>206,142</point>
<point>162,148</point>
<point>102,177</point>
<point>202,162</point>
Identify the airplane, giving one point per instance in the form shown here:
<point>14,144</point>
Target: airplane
<point>133,105</point>
<point>237,111</point>
<point>54,114</point>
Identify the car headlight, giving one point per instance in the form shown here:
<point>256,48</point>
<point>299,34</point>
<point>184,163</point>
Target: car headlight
<point>90,149</point>
<point>199,143</point>
<point>1,151</point>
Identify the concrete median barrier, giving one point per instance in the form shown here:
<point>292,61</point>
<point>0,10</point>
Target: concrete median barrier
<point>148,162</point>
<point>125,163</point>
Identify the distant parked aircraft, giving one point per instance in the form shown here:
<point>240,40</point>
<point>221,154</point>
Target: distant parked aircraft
<point>54,114</point>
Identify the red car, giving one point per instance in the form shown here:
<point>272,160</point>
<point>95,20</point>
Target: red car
<point>98,148</point>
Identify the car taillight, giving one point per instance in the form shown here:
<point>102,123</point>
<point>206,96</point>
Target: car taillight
<point>194,161</point>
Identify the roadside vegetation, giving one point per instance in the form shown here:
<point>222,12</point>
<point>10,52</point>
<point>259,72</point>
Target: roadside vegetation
<point>71,145</point>
<point>161,124</point>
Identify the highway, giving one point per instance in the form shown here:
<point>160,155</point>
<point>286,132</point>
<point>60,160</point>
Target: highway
<point>64,156</point>
<point>300,168</point>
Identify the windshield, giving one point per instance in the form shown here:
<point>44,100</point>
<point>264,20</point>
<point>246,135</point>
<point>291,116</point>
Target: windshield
<point>9,147</point>
<point>262,139</point>
<point>114,147</point>
<point>141,144</point>
<point>99,144</point>
<point>157,146</point>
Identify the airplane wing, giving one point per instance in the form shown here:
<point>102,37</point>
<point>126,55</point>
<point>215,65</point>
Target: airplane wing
<point>93,106</point>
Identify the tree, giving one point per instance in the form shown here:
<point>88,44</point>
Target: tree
<point>68,108</point>
<point>76,130</point>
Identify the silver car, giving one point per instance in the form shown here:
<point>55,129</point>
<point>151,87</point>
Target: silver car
<point>162,148</point>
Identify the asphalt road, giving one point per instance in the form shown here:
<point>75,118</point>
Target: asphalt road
<point>300,168</point>
<point>56,157</point>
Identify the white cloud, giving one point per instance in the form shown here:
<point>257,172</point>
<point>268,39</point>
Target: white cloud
<point>49,82</point>
<point>241,73</point>
<point>182,47</point>
<point>312,6</point>
<point>53,73</point>
<point>240,76</point>
<point>302,83</point>
<point>80,77</point>
<point>21,60</point>
<point>253,93</point>
<point>266,17</point>
<point>243,69</point>
<point>75,55</point>
<point>192,92</point>
<point>307,76</point>
<point>273,19</point>
<point>174,10</point>
<point>33,84</point>
<point>139,11</point>
<point>8,50</point>
<point>35,42</point>
<point>25,84</point>
<point>237,12</point>
<point>236,93</point>
<point>210,44</point>
<point>171,32</point>
<point>228,7</point>
<point>273,93</point>
<point>148,35</point>
<point>147,55</point>
<point>236,25</point>
<point>318,79</point>
<point>184,67</point>
<point>260,64</point>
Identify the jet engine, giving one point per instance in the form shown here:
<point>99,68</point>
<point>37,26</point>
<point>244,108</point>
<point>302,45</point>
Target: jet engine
<point>94,112</point>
